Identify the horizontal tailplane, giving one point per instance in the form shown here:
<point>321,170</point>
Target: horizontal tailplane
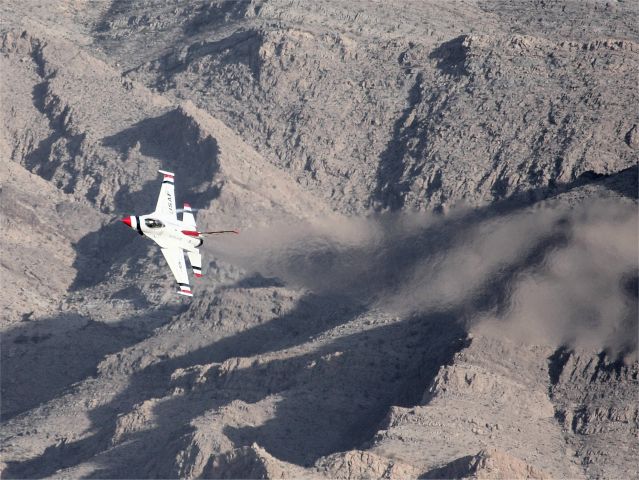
<point>196,263</point>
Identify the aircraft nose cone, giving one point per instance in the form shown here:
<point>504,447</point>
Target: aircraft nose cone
<point>126,220</point>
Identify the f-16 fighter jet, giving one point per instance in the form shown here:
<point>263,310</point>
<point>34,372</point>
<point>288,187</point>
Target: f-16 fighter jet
<point>172,235</point>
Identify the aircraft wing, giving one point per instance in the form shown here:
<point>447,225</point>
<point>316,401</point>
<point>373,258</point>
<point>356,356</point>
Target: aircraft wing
<point>166,200</point>
<point>175,258</point>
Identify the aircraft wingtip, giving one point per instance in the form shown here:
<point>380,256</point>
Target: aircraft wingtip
<point>185,290</point>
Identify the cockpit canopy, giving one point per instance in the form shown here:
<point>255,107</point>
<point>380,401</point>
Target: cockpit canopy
<point>153,223</point>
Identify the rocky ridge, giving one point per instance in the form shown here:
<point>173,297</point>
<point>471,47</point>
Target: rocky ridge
<point>279,110</point>
<point>435,107</point>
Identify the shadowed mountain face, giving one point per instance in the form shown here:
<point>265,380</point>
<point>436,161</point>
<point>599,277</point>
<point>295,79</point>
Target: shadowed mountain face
<point>414,105</point>
<point>436,274</point>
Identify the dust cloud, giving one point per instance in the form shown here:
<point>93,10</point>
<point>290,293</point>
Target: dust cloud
<point>558,276</point>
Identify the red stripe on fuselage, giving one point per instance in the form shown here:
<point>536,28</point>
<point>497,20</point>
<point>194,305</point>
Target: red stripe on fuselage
<point>191,233</point>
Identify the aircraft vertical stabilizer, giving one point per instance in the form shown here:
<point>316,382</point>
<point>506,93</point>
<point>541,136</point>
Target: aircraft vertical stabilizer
<point>187,216</point>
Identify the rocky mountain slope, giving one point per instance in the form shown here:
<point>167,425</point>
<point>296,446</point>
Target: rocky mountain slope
<point>437,271</point>
<point>419,104</point>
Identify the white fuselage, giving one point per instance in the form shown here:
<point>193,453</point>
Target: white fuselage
<point>167,232</point>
